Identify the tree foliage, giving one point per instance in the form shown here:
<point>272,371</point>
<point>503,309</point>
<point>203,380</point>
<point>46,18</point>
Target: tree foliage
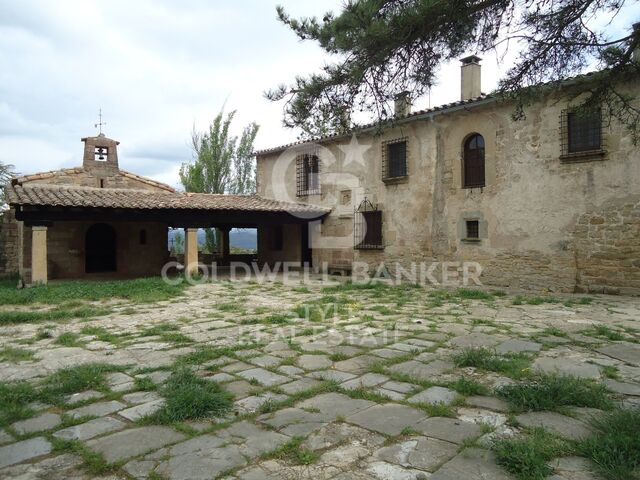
<point>385,47</point>
<point>221,163</point>
<point>6,172</point>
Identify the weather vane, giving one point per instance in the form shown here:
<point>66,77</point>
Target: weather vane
<point>100,123</point>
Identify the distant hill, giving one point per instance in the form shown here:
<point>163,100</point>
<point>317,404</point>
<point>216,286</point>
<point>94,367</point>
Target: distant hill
<point>238,237</point>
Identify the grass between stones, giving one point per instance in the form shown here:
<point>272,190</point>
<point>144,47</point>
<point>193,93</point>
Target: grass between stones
<point>527,456</point>
<point>468,387</point>
<point>69,339</point>
<point>13,354</point>
<point>15,397</point>
<point>58,313</point>
<point>549,392</point>
<point>615,448</point>
<point>140,290</point>
<point>514,365</point>
<point>189,397</point>
<point>293,452</point>
<point>92,462</point>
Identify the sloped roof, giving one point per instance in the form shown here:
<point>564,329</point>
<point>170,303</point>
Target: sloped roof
<point>424,113</point>
<point>46,195</point>
<point>70,171</point>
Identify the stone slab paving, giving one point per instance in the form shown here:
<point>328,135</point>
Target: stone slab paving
<point>264,377</point>
<point>567,366</point>
<point>44,421</point>
<point>420,452</point>
<point>390,418</point>
<point>354,432</point>
<point>471,464</point>
<point>561,425</point>
<point>133,442</point>
<point>448,429</point>
<point>98,409</point>
<point>435,395</point>
<point>24,450</point>
<point>92,428</point>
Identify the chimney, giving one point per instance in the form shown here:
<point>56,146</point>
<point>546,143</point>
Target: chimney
<point>402,104</point>
<point>470,80</point>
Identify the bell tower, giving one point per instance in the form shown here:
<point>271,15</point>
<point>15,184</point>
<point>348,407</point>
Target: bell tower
<point>100,155</point>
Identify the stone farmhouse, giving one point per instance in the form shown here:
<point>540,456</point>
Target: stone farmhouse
<point>550,202</point>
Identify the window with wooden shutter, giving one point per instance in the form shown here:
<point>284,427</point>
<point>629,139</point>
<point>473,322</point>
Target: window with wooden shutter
<point>473,162</point>
<point>368,227</point>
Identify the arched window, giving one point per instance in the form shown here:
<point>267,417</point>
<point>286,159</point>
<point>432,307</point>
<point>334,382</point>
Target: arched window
<point>473,162</point>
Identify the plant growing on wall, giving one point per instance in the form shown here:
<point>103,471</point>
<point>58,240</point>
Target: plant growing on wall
<point>385,47</point>
<point>222,163</point>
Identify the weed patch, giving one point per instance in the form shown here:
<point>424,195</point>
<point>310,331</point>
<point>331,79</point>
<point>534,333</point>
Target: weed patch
<point>13,354</point>
<point>467,386</point>
<point>548,392</point>
<point>514,366</point>
<point>615,447</point>
<point>189,397</point>
<point>293,452</point>
<point>527,457</point>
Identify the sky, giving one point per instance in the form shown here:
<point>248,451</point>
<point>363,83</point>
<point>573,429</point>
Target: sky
<point>156,68</point>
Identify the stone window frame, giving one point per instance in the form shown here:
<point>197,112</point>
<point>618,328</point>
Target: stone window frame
<point>483,228</point>
<point>386,178</point>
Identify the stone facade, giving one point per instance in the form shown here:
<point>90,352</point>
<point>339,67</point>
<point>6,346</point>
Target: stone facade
<point>545,223</point>
<point>8,244</point>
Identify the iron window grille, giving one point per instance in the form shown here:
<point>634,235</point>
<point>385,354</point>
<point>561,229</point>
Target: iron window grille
<point>473,229</point>
<point>307,175</point>
<point>581,133</point>
<point>394,159</point>
<point>473,162</point>
<point>367,228</point>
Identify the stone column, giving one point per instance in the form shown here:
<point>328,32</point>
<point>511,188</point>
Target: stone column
<point>39,255</point>
<point>191,250</point>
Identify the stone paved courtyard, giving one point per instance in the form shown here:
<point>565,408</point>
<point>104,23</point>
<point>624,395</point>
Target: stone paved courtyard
<point>328,382</point>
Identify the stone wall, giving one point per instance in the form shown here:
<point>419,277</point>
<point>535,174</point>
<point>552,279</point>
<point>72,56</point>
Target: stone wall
<point>607,246</point>
<point>8,244</point>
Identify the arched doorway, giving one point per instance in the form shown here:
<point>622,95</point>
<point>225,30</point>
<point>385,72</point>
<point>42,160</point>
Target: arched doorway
<point>100,248</point>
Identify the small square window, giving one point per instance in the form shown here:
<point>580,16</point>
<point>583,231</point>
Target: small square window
<point>473,229</point>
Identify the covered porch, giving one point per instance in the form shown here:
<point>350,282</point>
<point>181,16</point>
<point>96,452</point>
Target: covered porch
<point>79,232</point>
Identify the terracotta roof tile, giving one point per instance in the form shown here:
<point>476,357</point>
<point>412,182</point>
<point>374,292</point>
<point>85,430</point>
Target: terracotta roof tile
<point>40,194</point>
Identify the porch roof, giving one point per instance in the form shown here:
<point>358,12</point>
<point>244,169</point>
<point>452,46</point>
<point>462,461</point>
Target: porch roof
<point>67,202</point>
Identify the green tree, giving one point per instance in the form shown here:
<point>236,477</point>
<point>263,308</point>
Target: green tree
<point>221,163</point>
<point>178,243</point>
<point>384,47</point>
<point>6,172</point>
